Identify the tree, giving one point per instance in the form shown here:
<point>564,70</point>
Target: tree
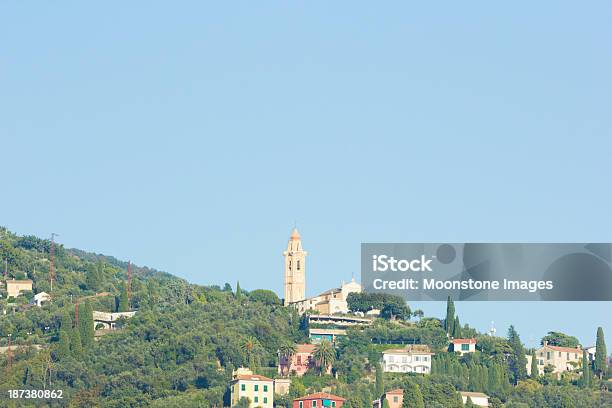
<point>380,386</point>
<point>456,328</point>
<point>585,381</point>
<point>94,277</point>
<point>560,339</point>
<point>123,303</point>
<point>413,398</point>
<point>395,308</point>
<point>535,373</point>
<point>238,291</point>
<point>243,402</point>
<point>285,352</point>
<point>324,356</point>
<point>385,404</point>
<point>518,361</point>
<point>601,355</point>
<point>86,324</point>
<point>264,296</point>
<point>450,316</point>
<point>251,349</point>
<point>63,346</point>
<point>76,347</point>
<point>418,314</point>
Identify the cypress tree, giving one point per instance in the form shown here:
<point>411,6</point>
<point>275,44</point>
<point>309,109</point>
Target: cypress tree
<point>456,328</point>
<point>123,300</point>
<point>450,316</point>
<point>66,322</point>
<point>63,347</point>
<point>76,347</point>
<point>413,398</point>
<point>86,324</point>
<point>534,366</point>
<point>600,354</point>
<point>238,291</point>
<point>380,386</point>
<point>385,404</point>
<point>585,382</point>
<point>473,380</point>
<point>518,361</point>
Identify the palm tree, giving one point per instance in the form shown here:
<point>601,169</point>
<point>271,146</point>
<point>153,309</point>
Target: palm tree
<point>324,356</point>
<point>285,352</point>
<point>251,347</point>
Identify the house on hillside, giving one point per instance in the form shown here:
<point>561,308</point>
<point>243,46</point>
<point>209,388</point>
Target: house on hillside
<point>319,400</point>
<point>395,399</point>
<point>414,358</point>
<point>299,362</point>
<point>40,298</point>
<point>561,358</point>
<point>478,398</point>
<point>15,287</point>
<point>318,335</point>
<point>463,346</point>
<point>330,302</point>
<point>108,321</point>
<point>257,388</point>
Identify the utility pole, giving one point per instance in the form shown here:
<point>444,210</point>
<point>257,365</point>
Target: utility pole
<point>52,256</point>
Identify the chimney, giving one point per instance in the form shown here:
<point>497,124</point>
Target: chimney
<point>545,343</point>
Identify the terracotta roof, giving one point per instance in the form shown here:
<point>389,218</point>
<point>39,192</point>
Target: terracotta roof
<point>564,349</point>
<point>320,395</point>
<point>305,348</point>
<point>396,391</point>
<point>464,341</point>
<point>20,281</point>
<point>253,377</point>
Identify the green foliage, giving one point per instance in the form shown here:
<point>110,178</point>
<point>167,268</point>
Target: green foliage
<point>534,366</point>
<point>469,403</point>
<point>585,380</point>
<point>324,356</point>
<point>449,322</point>
<point>380,385</point>
<point>364,302</point>
<point>601,355</point>
<point>123,305</point>
<point>413,398</point>
<point>560,339</point>
<point>63,346</point>
<point>264,296</point>
<point>76,346</point>
<point>456,328</point>
<point>86,324</point>
<point>518,361</point>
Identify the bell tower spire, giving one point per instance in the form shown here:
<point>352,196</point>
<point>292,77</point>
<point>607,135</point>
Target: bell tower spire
<point>295,269</point>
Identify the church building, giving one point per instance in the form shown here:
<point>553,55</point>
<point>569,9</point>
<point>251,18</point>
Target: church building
<point>329,302</point>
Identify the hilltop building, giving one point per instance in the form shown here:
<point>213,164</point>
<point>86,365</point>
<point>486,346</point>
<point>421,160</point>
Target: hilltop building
<point>463,346</point>
<point>561,358</point>
<point>15,287</point>
<point>411,359</point>
<point>329,302</point>
<point>319,400</point>
<point>257,388</point>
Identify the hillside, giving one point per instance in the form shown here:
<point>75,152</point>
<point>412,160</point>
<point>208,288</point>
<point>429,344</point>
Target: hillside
<point>181,347</point>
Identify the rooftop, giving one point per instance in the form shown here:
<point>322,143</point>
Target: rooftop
<point>411,349</point>
<point>320,395</point>
<point>251,377</point>
<point>464,341</point>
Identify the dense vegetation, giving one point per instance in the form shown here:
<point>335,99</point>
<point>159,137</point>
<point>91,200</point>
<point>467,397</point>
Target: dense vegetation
<point>183,344</point>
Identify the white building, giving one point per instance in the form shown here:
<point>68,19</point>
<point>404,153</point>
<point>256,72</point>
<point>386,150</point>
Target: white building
<point>463,346</point>
<point>41,298</point>
<point>108,320</point>
<point>478,398</point>
<point>330,302</point>
<point>411,359</point>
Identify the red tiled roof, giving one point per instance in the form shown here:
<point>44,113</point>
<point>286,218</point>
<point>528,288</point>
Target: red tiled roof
<point>320,395</point>
<point>464,341</point>
<point>565,349</point>
<point>396,391</point>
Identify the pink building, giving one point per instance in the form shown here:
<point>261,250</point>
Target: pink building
<point>300,362</point>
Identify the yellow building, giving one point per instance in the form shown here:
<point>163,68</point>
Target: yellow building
<point>257,388</point>
<point>560,358</point>
<point>295,269</point>
<point>15,287</point>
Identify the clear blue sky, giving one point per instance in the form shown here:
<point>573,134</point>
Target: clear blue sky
<point>190,136</point>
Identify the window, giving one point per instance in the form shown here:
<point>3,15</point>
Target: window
<point>465,347</point>
<point>417,358</point>
<point>242,387</point>
<point>301,404</point>
<point>256,399</point>
<point>567,357</point>
<point>298,265</point>
<point>314,403</point>
<point>548,355</point>
<point>395,398</point>
<point>256,388</point>
<point>265,400</point>
<point>265,389</point>
<point>425,358</point>
<point>559,354</point>
<point>575,355</point>
<point>333,404</point>
<point>289,265</point>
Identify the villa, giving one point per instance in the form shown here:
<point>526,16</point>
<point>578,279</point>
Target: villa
<point>561,358</point>
<point>319,400</point>
<point>463,346</point>
<point>15,287</point>
<point>298,363</point>
<point>411,359</point>
<point>258,389</point>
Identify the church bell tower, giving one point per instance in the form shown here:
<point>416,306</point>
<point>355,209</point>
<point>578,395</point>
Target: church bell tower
<point>295,269</point>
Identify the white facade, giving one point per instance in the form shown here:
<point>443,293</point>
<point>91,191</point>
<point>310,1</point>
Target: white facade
<point>478,398</point>
<point>412,359</point>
